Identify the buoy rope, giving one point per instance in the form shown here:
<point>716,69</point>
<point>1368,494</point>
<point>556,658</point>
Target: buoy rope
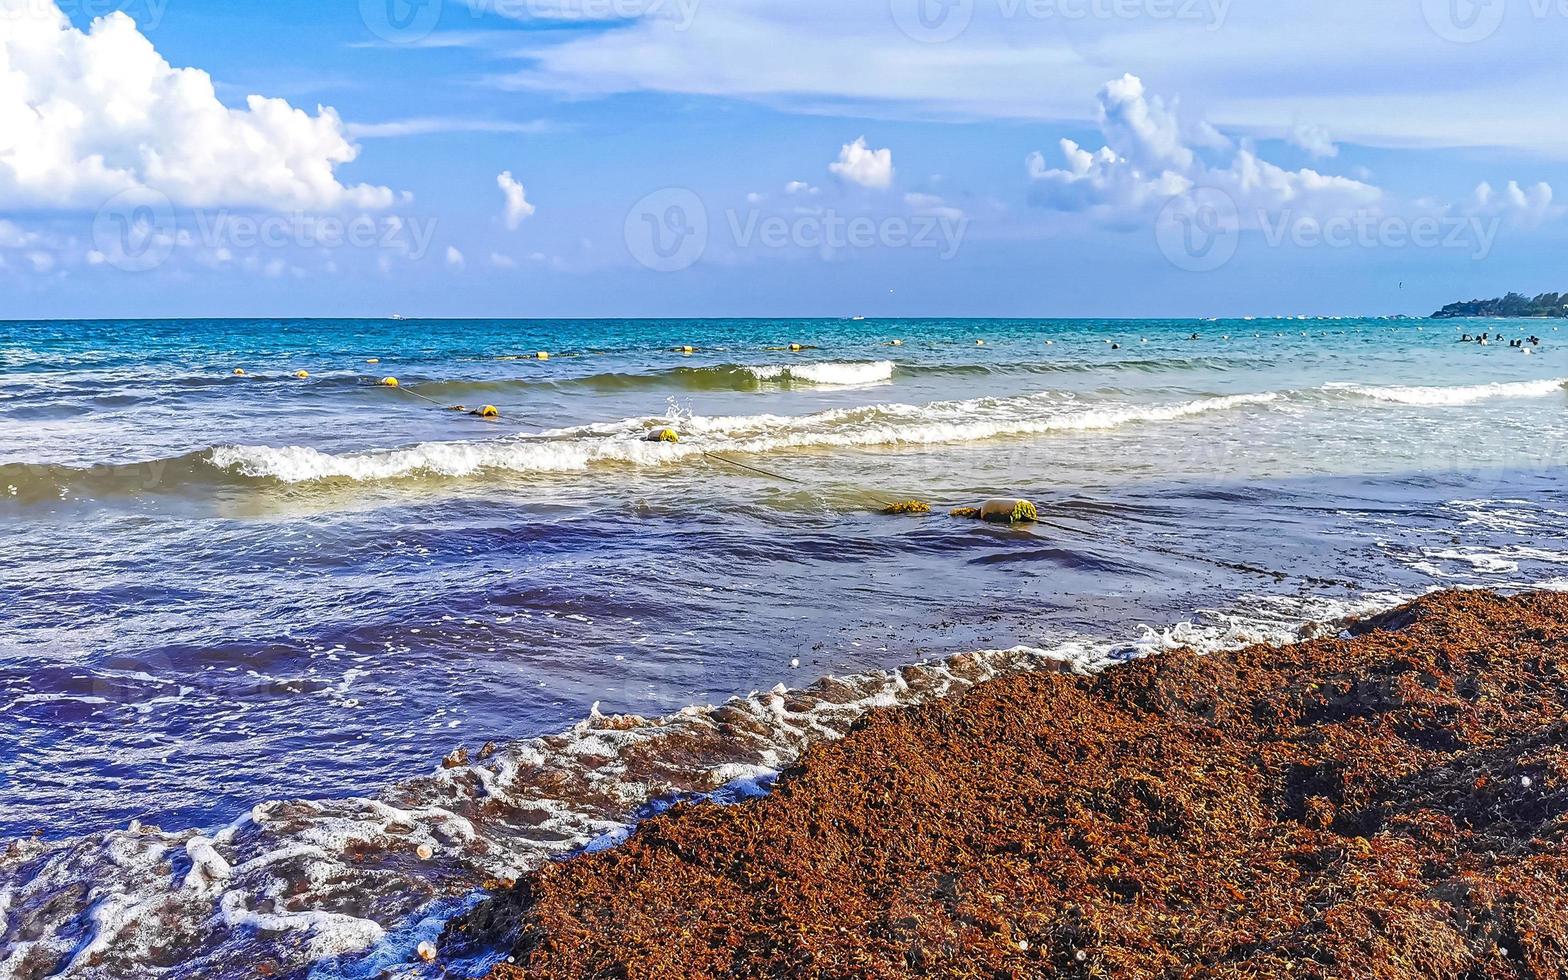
<point>410,391</point>
<point>754,469</point>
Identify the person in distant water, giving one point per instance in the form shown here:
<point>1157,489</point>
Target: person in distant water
<point>1466,339</point>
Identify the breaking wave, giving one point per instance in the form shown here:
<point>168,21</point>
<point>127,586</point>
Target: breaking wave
<point>617,442</point>
<point>1456,394</point>
<point>578,448</point>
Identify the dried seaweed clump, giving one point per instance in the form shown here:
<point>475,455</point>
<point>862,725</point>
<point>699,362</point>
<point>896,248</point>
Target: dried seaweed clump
<point>1389,803</point>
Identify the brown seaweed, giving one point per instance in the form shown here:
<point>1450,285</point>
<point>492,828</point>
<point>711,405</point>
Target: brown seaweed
<point>1385,804</point>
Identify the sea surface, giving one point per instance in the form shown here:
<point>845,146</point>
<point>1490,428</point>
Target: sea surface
<point>244,617</point>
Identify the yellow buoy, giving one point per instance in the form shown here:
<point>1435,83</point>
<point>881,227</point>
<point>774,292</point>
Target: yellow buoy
<point>663,435</point>
<point>239,372</point>
<point>795,347</point>
<point>372,360</point>
<point>301,374</point>
<point>979,343</point>
<point>488,412</point>
<point>543,355</point>
<point>896,343</point>
<point>688,349</point>
<point>389,382</point>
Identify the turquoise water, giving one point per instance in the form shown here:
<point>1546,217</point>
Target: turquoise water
<point>227,589</point>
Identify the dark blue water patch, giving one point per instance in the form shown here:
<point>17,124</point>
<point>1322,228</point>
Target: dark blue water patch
<point>1063,558</point>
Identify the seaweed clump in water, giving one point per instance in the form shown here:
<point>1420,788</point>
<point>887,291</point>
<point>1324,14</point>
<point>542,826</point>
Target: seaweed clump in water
<point>1389,803</point>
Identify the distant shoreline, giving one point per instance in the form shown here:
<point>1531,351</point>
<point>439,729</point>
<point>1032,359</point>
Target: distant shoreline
<point>1516,306</point>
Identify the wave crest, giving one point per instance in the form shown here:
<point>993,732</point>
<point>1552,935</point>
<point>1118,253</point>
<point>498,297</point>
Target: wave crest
<point>577,449</point>
<point>1436,395</point>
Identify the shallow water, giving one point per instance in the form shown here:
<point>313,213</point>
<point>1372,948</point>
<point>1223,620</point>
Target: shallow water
<point>223,590</point>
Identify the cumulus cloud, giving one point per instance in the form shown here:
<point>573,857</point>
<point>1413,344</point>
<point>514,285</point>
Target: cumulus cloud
<point>1314,139</point>
<point>85,115</point>
<point>800,187</point>
<point>13,235</point>
<point>1520,205</point>
<point>517,206</point>
<point>859,164</point>
<point>454,258</point>
<point>1148,160</point>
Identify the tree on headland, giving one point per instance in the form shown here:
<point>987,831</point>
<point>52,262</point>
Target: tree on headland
<point>1514,304</point>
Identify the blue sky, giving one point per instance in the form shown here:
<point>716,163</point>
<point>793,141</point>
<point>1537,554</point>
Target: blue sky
<point>707,158</point>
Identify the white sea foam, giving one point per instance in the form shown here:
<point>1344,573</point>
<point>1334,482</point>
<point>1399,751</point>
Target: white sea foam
<point>323,878</point>
<point>580,447</point>
<point>1456,394</point>
<point>825,372</point>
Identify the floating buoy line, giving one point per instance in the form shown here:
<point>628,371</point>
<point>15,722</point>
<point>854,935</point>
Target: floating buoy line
<point>1003,510</point>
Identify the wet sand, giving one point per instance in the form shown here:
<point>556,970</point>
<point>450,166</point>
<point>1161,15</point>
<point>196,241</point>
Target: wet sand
<point>1385,804</point>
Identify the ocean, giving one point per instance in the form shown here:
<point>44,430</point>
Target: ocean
<point>294,662</point>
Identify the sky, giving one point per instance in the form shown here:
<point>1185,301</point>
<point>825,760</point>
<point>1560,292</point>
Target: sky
<point>553,158</point>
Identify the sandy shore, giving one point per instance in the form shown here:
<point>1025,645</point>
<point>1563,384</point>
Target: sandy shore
<point>1387,804</point>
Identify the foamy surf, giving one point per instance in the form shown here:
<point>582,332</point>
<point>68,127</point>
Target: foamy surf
<point>353,884</point>
<point>1438,395</point>
<point>825,373</point>
<point>579,448</point>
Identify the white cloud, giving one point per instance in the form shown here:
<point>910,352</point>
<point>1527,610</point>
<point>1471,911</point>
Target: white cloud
<point>428,125</point>
<point>859,164</point>
<point>933,204</point>
<point>1147,161</point>
<point>1314,139</point>
<point>517,206</point>
<point>87,115</point>
<point>1523,206</point>
<point>500,261</point>
<point>454,258</point>
<point>1249,66</point>
<point>15,236</point>
<point>800,187</point>
<point>1142,126</point>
